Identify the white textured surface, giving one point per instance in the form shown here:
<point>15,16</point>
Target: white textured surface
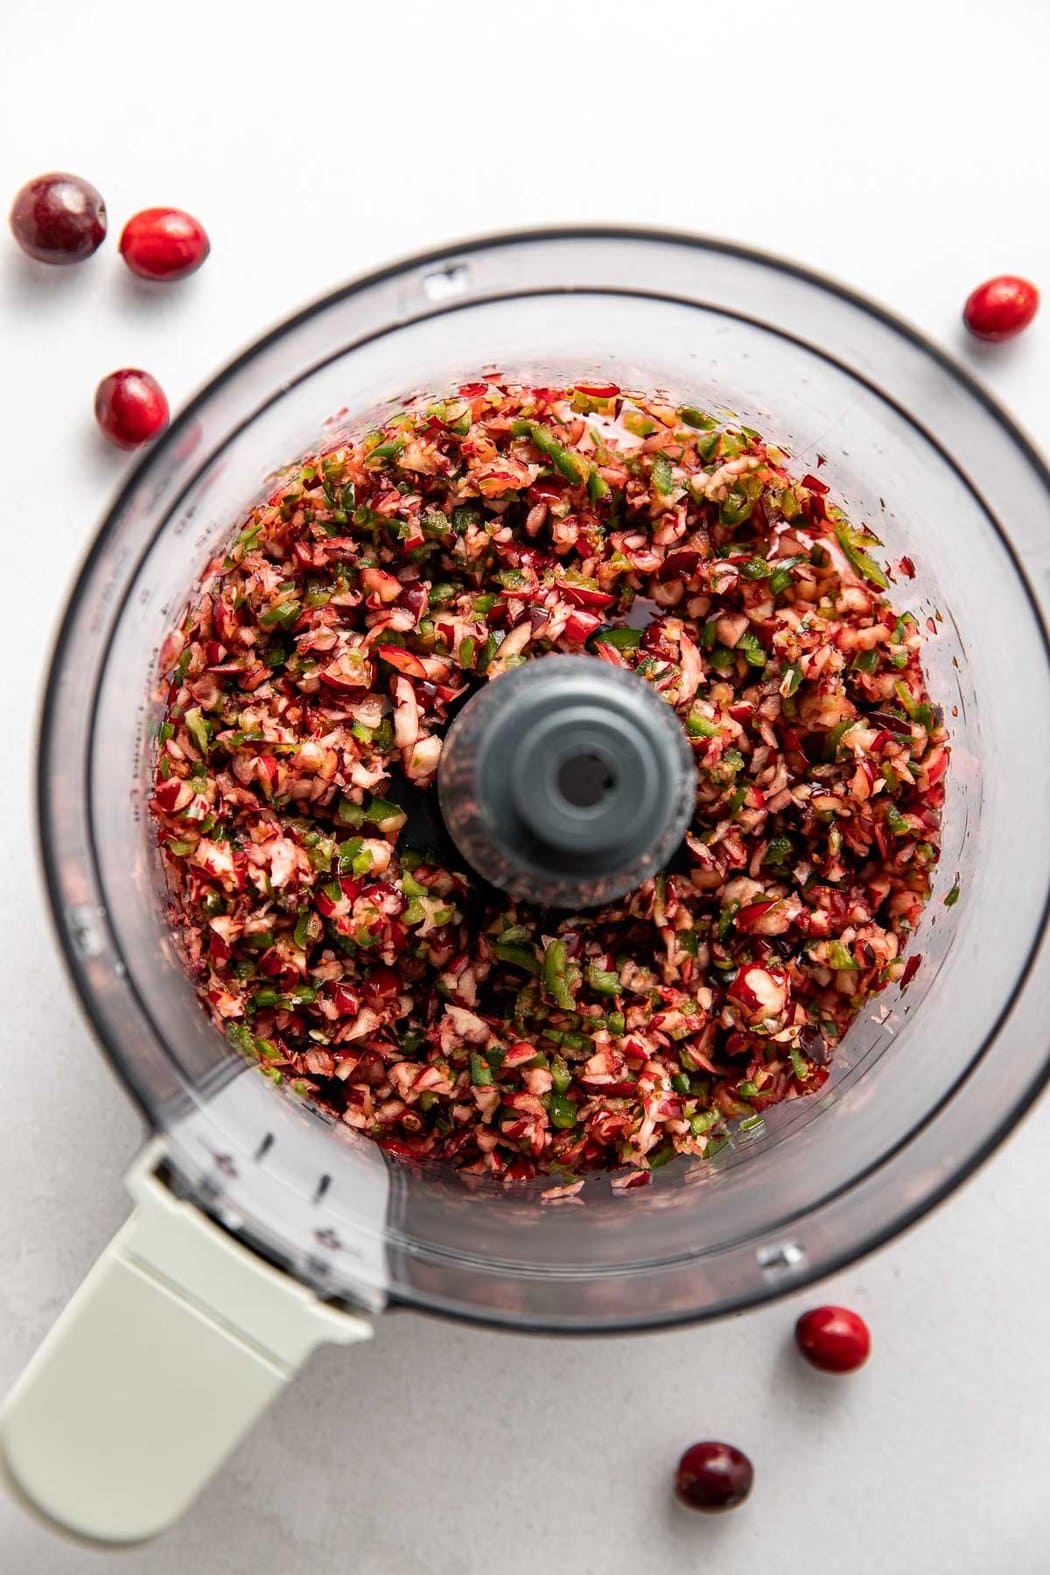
<point>906,154</point>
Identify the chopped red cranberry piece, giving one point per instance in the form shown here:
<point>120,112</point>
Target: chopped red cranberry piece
<point>911,968</point>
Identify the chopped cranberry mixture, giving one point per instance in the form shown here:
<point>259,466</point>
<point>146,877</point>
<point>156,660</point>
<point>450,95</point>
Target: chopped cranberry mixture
<point>312,682</point>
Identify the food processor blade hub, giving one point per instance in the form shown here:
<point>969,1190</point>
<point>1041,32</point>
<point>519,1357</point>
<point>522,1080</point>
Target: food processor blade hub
<point>567,781</point>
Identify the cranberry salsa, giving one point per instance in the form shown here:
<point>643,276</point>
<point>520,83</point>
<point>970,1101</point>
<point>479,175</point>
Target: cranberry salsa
<point>306,696</point>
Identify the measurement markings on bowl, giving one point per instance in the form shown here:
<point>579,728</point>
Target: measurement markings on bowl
<point>780,1261</point>
<point>84,924</point>
<point>444,284</point>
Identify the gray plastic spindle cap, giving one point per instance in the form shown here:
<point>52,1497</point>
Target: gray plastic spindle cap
<point>567,781</point>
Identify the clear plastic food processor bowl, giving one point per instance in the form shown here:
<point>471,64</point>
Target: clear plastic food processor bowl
<point>927,1083</point>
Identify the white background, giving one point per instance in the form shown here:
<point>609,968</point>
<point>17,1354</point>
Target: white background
<point>906,154</point>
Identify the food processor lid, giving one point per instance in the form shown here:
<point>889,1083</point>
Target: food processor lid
<point>567,782</point>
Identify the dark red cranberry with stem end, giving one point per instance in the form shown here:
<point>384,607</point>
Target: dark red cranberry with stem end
<point>58,218</point>
<point>712,1477</point>
<point>1001,307</point>
<point>833,1338</point>
<point>164,243</point>
<point>130,407</point>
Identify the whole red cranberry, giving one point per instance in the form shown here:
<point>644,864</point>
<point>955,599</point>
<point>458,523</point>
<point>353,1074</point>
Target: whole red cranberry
<point>833,1338</point>
<point>58,218</point>
<point>713,1477</point>
<point>130,407</point>
<point>164,243</point>
<point>1001,307</point>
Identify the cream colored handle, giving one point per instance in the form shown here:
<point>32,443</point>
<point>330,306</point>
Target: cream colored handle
<point>176,1342</point>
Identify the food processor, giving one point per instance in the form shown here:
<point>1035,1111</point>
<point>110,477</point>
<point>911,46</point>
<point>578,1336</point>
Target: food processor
<point>260,1227</point>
